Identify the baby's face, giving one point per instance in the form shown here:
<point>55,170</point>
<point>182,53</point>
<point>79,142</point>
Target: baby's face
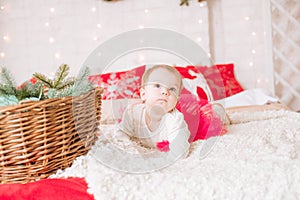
<point>162,89</point>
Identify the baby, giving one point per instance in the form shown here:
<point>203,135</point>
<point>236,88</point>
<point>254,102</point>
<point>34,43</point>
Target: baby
<point>155,122</point>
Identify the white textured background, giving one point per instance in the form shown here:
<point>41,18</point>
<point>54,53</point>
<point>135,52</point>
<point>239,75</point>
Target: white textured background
<point>37,36</point>
<point>286,48</point>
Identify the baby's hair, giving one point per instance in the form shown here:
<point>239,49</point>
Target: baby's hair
<point>171,69</point>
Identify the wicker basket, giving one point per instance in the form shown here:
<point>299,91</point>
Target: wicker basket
<point>38,138</point>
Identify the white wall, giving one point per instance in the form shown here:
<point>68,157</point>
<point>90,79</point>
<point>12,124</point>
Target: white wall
<point>79,26</point>
<point>37,36</point>
<point>247,42</point>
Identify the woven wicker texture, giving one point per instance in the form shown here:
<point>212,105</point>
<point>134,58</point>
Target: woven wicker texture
<point>38,138</point>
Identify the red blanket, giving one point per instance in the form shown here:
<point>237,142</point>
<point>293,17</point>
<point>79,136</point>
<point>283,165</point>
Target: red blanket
<point>47,189</point>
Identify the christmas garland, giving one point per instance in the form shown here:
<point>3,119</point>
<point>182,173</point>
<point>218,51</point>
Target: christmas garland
<point>41,87</point>
<point>186,2</point>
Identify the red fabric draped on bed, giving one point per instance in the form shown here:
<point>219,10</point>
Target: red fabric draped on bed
<point>47,189</point>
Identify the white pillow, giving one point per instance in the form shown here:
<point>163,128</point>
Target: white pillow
<point>247,98</point>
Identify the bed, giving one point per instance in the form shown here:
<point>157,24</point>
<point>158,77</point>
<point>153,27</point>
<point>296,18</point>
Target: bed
<point>258,157</point>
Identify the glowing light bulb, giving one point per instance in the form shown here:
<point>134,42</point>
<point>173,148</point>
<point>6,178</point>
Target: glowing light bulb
<point>247,18</point>
<point>52,10</point>
<point>141,26</point>
<point>95,38</point>
<point>266,80</point>
<point>57,55</point>
<point>146,11</point>
<point>2,7</point>
<point>253,51</point>
<point>251,63</point>
<point>2,54</point>
<point>5,38</point>
<point>93,9</point>
<point>202,5</point>
<point>51,39</point>
<point>99,25</point>
<point>200,21</point>
<point>254,33</point>
<point>199,39</point>
<point>47,24</point>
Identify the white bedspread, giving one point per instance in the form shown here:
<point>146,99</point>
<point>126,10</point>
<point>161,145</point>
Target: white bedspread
<point>259,158</point>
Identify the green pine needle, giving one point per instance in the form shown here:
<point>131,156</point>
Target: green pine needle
<point>30,90</point>
<point>59,86</point>
<point>60,75</point>
<point>83,75</point>
<point>65,84</point>
<point>46,81</point>
<point>7,82</point>
<point>182,2</point>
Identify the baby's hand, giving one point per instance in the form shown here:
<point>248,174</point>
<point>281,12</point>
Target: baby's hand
<point>163,146</point>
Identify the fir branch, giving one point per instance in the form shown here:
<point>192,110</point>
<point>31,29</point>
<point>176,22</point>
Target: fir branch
<point>182,2</point>
<point>30,91</point>
<point>47,81</point>
<point>67,83</point>
<point>59,87</point>
<point>3,89</point>
<point>186,2</point>
<point>60,75</point>
<point>82,88</point>
<point>82,84</point>
<point>7,100</point>
<point>52,93</point>
<point>83,74</point>
<point>71,86</point>
<point>8,83</point>
<point>6,90</point>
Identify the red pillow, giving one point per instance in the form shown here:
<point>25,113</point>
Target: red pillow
<point>120,85</point>
<point>221,80</point>
<point>191,76</point>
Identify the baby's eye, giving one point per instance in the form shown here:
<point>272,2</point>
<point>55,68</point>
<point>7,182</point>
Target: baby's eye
<point>157,85</point>
<point>172,89</point>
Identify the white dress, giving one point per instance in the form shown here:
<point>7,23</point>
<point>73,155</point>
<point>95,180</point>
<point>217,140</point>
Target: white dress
<point>172,128</point>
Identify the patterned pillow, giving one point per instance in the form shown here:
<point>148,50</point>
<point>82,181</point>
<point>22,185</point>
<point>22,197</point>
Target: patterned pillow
<point>194,83</point>
<point>120,85</point>
<point>221,80</point>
